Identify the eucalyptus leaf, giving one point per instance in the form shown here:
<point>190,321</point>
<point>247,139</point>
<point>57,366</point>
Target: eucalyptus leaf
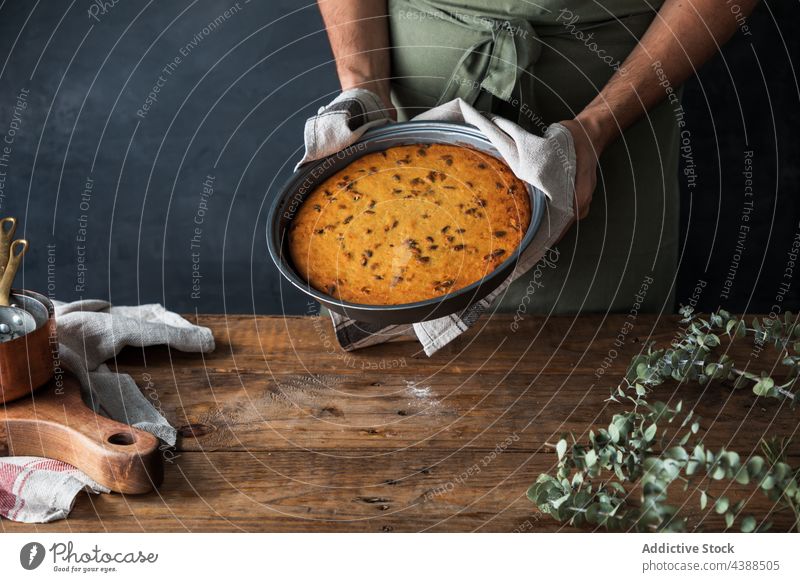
<point>764,387</point>
<point>677,453</point>
<point>748,524</point>
<point>561,448</point>
<point>742,477</point>
<point>729,519</point>
<point>555,504</point>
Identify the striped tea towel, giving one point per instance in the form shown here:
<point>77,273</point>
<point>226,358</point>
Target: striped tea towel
<point>36,490</point>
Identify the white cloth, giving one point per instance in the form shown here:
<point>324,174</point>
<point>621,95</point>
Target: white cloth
<point>342,122</point>
<point>91,332</point>
<point>546,162</point>
<point>36,490</point>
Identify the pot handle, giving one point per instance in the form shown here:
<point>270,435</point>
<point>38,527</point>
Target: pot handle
<point>16,251</point>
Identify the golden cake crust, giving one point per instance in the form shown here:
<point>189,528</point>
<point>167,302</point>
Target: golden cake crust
<point>408,224</point>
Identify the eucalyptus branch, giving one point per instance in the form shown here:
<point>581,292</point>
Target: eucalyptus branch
<point>593,481</point>
<point>691,356</point>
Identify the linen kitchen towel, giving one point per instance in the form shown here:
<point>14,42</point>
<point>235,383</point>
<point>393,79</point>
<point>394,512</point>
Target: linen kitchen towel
<point>546,162</point>
<point>342,122</point>
<point>36,490</point>
<point>91,332</point>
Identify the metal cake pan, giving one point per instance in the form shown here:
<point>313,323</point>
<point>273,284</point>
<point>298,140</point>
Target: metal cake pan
<point>307,177</point>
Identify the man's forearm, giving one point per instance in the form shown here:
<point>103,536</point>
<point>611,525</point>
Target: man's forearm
<point>683,36</point>
<point>359,35</point>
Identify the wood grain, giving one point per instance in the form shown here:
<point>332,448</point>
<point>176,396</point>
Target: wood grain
<point>298,491</point>
<point>281,433</point>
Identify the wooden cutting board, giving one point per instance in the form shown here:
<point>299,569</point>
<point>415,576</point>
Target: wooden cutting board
<point>54,423</point>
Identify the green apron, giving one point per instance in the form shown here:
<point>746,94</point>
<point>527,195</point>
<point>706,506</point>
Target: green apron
<point>538,64</point>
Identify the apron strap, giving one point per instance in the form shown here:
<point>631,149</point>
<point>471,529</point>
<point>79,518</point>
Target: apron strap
<point>495,62</point>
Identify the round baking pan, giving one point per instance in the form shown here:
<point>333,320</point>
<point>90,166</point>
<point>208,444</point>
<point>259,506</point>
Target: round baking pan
<point>307,177</point>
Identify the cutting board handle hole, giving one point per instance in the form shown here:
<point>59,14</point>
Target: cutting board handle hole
<point>122,438</point>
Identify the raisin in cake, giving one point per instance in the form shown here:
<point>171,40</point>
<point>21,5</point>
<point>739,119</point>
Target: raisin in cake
<point>408,224</point>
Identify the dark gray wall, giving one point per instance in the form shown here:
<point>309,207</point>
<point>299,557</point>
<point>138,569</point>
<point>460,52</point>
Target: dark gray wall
<point>746,99</point>
<point>234,107</point>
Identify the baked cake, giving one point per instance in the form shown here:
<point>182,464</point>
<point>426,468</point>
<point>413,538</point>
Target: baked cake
<point>408,224</point>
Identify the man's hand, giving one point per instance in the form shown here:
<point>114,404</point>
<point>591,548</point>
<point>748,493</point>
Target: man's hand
<point>684,35</point>
<point>586,156</point>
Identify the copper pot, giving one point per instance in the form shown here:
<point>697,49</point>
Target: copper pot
<point>29,362</point>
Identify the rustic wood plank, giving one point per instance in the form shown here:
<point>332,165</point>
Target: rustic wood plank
<point>307,403</point>
<point>255,412</point>
<point>300,491</point>
<point>548,345</point>
<point>277,344</point>
<point>281,433</point>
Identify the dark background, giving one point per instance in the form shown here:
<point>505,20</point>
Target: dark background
<point>234,109</point>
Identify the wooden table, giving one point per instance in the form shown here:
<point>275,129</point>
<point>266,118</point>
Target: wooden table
<point>282,431</point>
